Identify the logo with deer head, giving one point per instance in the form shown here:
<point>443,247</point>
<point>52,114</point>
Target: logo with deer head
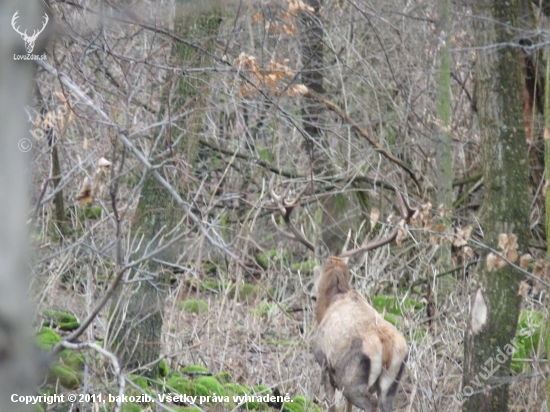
<point>29,40</point>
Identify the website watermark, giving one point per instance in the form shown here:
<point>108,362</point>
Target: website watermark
<point>53,119</point>
<point>28,39</point>
<point>492,365</point>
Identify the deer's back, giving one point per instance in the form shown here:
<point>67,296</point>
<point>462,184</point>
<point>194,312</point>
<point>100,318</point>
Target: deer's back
<point>355,343</point>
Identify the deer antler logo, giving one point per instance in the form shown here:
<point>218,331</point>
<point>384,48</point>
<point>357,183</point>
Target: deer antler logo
<point>29,40</point>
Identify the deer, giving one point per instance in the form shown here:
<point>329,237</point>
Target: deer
<point>358,350</point>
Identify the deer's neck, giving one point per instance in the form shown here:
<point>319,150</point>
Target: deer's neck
<point>334,283</point>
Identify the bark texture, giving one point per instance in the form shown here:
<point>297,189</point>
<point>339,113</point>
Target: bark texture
<point>137,315</point>
<point>506,203</point>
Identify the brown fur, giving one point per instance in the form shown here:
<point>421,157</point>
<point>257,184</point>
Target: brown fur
<point>358,350</point>
<point>334,282</point>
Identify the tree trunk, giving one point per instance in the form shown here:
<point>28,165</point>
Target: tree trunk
<point>496,303</point>
<point>443,149</point>
<point>19,372</point>
<point>137,316</point>
<point>336,217</point>
<point>547,205</point>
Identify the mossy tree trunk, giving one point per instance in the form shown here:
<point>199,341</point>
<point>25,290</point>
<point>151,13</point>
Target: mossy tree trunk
<point>336,217</point>
<point>137,316</point>
<point>59,218</point>
<point>496,303</point>
<point>547,205</point>
<point>443,149</point>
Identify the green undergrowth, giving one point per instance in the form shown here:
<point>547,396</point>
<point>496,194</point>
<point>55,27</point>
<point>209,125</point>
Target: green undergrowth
<point>263,309</point>
<point>194,387</point>
<point>194,306</point>
<point>68,371</point>
<point>191,388</point>
<point>526,342</point>
<point>60,319</point>
<point>392,308</point>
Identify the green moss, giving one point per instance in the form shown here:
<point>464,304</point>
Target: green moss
<point>263,258</point>
<point>191,408</point>
<point>139,381</point>
<point>74,361</point>
<point>164,370</point>
<point>245,292</point>
<point>194,306</point>
<point>212,384</point>
<point>223,377</point>
<point>92,212</point>
<point>64,375</point>
<point>527,339</point>
<point>301,404</point>
<point>195,370</point>
<point>131,407</point>
<point>211,286</point>
<point>60,319</point>
<point>209,268</point>
<point>392,319</point>
<point>263,309</point>
<point>185,386</point>
<point>260,389</point>
<point>47,338</point>
<point>397,307</point>
<point>233,389</point>
<point>305,266</point>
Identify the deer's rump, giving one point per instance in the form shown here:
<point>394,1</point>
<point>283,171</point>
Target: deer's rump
<point>359,351</point>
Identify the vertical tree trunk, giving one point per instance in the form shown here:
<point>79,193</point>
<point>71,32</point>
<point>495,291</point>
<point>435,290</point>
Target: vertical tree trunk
<point>496,303</point>
<point>547,205</point>
<point>18,364</point>
<point>137,316</point>
<point>336,216</point>
<point>312,76</point>
<point>443,149</point>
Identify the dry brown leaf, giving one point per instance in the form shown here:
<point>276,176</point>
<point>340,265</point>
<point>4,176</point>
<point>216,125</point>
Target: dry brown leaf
<point>289,29</point>
<point>59,96</point>
<point>297,89</point>
<point>525,260</point>
<point>258,18</point>
<point>523,288</point>
<point>373,217</point>
<point>494,262</point>
<point>501,263</point>
<point>415,219</point>
<point>538,270</point>
<point>295,6</point>
<point>502,241</point>
<point>104,163</point>
<point>428,226</point>
<point>84,196</point>
<point>468,252</point>
<point>462,236</point>
<point>512,256</point>
<point>401,232</point>
<point>509,245</point>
